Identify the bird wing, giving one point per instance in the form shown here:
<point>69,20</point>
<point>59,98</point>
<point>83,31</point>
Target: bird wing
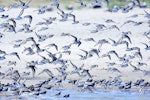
<point>112,40</point>
<point>21,12</point>
<point>126,36</point>
<point>75,38</point>
<point>86,53</point>
<point>145,44</point>
<point>30,18</point>
<point>27,3</point>
<point>18,56</point>
<point>73,65</point>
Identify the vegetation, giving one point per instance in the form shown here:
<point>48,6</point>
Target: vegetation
<point>38,3</point>
<point>118,2</point>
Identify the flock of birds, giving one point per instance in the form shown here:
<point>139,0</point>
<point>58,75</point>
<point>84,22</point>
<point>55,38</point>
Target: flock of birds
<point>45,53</point>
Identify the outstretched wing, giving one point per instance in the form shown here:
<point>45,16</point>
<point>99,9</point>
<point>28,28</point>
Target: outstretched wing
<point>21,12</point>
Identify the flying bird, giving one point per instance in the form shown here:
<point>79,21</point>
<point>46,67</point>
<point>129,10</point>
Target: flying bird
<point>15,54</point>
<point>32,67</point>
<point>29,17</point>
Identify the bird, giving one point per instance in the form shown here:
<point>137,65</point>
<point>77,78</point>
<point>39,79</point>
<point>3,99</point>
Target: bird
<point>109,21</point>
<point>77,69</point>
<point>38,49</point>
<point>138,23</point>
<point>13,21</point>
<point>147,46</point>
<point>29,50</point>
<point>86,23</point>
<point>10,28</point>
<point>125,36</point>
<point>52,45</point>
<point>74,18</point>
<point>89,39</point>
<point>133,48</point>
<point>100,26</point>
<point>66,47</point>
<point>128,21</point>
<point>134,67</point>
<point>66,15</point>
<point>96,4</point>
<point>138,54</point>
<point>85,72</point>
<point>66,96</point>
<point>16,76</point>
<point>128,85</point>
<point>1,35</point>
<point>101,42</point>
<point>62,14</point>
<point>83,57</point>
<point>24,74</point>
<point>25,5</point>
<point>82,4</point>
<point>41,38</point>
<point>66,52</point>
<point>146,72</point>
<point>47,71</point>
<point>2,52</point>
<point>29,17</point>
<point>139,64</point>
<point>2,9</point>
<point>139,82</point>
<point>76,40</point>
<point>53,56</point>
<point>126,43</point>
<point>112,69</point>
<point>42,10</point>
<point>30,39</point>
<point>147,14</point>
<point>93,66</point>
<point>139,3</point>
<point>113,52</point>
<point>15,54</point>
<point>94,51</point>
<point>133,16</point>
<point>44,60</point>
<point>110,63</point>
<point>42,92</point>
<point>115,43</point>
<point>33,62</point>
<point>58,94</point>
<point>114,27</point>
<point>86,52</point>
<point>106,55</point>
<point>20,14</point>
<point>94,31</point>
<point>32,67</point>
<point>11,63</point>
<point>50,20</point>
<point>65,34</point>
<point>43,28</point>
<point>62,69</point>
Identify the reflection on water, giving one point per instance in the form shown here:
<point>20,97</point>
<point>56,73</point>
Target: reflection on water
<point>76,95</point>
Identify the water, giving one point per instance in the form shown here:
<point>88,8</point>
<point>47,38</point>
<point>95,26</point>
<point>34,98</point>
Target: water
<point>76,95</point>
<point>98,95</point>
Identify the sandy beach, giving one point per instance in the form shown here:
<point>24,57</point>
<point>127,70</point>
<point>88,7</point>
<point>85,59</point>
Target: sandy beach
<point>115,25</point>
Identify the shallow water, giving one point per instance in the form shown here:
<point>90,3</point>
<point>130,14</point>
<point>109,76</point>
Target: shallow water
<point>76,95</point>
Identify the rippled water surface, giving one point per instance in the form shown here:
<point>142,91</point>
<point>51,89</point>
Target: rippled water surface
<point>76,95</point>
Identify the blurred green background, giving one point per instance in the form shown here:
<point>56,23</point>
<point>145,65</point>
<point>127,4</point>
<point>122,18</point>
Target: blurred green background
<point>65,3</point>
